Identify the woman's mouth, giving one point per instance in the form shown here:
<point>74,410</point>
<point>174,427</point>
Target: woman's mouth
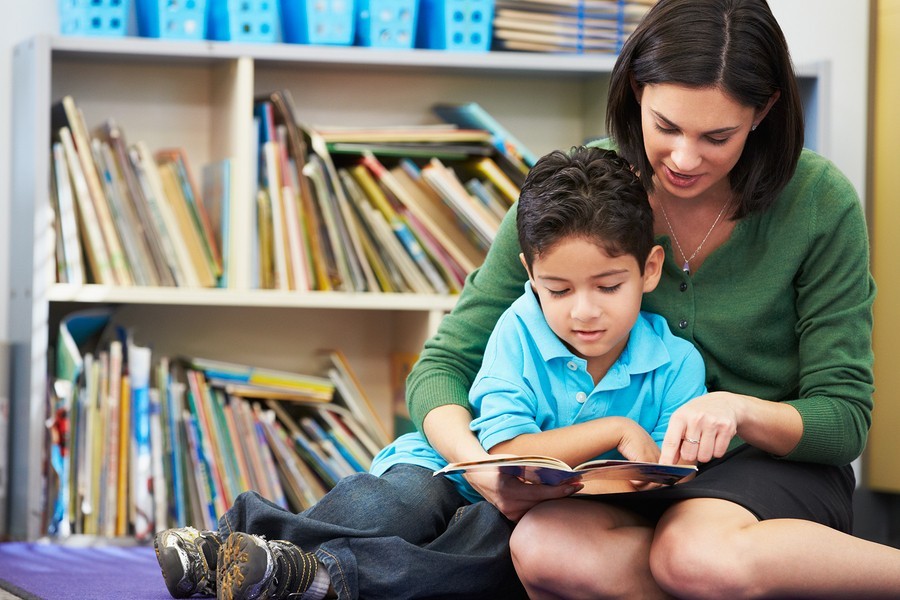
<point>679,179</point>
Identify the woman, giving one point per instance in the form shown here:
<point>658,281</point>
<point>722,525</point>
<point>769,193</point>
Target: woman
<point>767,274</point>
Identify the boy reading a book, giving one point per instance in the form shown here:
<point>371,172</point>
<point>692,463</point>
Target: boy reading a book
<point>573,370</point>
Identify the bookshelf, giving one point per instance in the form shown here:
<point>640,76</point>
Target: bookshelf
<point>199,96</point>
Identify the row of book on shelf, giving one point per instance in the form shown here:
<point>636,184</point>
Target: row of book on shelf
<point>386,209</point>
<point>577,26</point>
<point>139,442</point>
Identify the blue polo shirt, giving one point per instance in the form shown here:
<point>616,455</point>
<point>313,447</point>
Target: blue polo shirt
<point>530,382</point>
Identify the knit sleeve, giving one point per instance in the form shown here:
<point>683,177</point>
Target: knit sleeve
<point>451,358</point>
<point>835,292</point>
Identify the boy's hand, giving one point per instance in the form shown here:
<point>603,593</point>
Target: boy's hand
<point>636,444</point>
<point>514,497</point>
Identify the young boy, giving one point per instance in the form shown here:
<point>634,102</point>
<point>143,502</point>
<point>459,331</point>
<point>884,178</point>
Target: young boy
<point>573,369</point>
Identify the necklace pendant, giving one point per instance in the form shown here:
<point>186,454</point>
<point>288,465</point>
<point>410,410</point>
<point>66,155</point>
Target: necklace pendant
<point>686,268</point>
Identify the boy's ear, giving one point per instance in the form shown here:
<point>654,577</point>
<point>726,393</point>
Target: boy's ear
<point>653,268</point>
<point>525,264</point>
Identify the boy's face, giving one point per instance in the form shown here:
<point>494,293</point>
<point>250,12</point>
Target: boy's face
<point>590,299</point>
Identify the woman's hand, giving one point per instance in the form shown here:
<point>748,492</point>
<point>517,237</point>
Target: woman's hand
<point>701,429</point>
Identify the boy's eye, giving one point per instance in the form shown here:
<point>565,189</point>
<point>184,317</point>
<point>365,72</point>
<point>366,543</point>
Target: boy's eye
<point>610,289</point>
<point>557,293</point>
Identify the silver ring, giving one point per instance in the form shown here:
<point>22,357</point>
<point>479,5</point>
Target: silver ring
<point>690,441</point>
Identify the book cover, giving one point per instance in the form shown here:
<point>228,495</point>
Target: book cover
<point>177,157</point>
<point>473,115</point>
<point>67,217</point>
<point>400,226</point>
<point>75,121</point>
<point>551,471</point>
<point>217,193</point>
<point>284,112</point>
<point>186,226</point>
<point>481,224</point>
<point>145,223</point>
<point>427,206</point>
<point>98,259</point>
<point>386,272</point>
<point>138,255</point>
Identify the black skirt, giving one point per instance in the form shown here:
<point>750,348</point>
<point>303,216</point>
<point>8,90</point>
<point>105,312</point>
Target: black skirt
<point>769,487</point>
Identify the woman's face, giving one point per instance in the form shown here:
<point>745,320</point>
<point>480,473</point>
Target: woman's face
<point>693,137</point>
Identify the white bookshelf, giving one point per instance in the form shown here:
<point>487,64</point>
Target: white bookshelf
<point>199,96</point>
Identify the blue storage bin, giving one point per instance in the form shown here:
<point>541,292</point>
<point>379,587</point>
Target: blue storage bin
<point>455,24</point>
<point>318,21</point>
<point>93,17</point>
<point>386,23</point>
<point>172,19</point>
<point>244,20</point>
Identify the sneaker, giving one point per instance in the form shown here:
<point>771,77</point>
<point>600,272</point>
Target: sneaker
<point>253,568</point>
<point>187,558</point>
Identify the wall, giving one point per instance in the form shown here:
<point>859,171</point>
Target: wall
<point>818,31</point>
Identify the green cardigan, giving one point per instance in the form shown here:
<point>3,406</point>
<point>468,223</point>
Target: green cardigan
<point>781,311</point>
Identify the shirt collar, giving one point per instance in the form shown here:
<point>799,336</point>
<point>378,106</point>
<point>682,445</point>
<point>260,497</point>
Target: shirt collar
<point>644,352</point>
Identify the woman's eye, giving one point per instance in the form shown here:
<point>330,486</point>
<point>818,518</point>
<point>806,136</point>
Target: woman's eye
<point>717,141</point>
<point>662,129</point>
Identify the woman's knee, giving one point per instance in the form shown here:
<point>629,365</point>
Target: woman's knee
<point>701,566</point>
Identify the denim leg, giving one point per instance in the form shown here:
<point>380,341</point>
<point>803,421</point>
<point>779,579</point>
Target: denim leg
<point>405,534</point>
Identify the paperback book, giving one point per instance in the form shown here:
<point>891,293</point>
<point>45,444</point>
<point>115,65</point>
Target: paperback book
<point>551,471</point>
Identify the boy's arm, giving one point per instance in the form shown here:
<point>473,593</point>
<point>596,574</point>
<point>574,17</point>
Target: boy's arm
<point>510,495</point>
<point>575,444</point>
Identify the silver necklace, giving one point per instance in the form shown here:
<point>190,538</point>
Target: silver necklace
<point>686,267</point>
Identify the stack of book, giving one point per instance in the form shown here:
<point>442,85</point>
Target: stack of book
<point>376,209</point>
<point>124,215</point>
<point>389,209</point>
<point>140,443</point>
<point>392,209</point>
<point>573,26</point>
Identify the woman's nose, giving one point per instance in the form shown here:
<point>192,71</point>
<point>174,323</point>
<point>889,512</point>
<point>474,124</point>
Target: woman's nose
<point>685,157</point>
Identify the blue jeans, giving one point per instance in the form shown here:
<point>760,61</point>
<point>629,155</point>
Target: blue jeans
<point>403,535</point>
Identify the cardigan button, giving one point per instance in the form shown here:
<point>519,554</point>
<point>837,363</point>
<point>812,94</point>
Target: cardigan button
<point>682,286</point>
<point>682,324</point>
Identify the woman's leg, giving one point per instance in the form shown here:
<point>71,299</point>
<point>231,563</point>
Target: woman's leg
<point>709,548</point>
<point>575,548</point>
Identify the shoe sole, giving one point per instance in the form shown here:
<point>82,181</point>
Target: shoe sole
<point>174,561</point>
<point>234,553</point>
<point>172,566</point>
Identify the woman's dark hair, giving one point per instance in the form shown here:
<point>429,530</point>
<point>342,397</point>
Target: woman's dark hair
<point>735,45</point>
<point>589,193</point>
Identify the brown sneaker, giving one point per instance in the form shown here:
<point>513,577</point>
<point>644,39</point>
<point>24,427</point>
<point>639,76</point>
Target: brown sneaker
<point>253,568</point>
<point>187,558</point>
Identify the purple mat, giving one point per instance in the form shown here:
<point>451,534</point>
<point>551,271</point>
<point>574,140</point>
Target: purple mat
<point>40,571</point>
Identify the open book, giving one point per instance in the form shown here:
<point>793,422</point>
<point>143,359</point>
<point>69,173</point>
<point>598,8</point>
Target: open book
<point>552,471</point>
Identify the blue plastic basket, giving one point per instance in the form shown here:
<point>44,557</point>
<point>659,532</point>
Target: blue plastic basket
<point>244,20</point>
<point>93,17</point>
<point>386,23</point>
<point>318,21</point>
<point>455,25</point>
<point>172,19</point>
